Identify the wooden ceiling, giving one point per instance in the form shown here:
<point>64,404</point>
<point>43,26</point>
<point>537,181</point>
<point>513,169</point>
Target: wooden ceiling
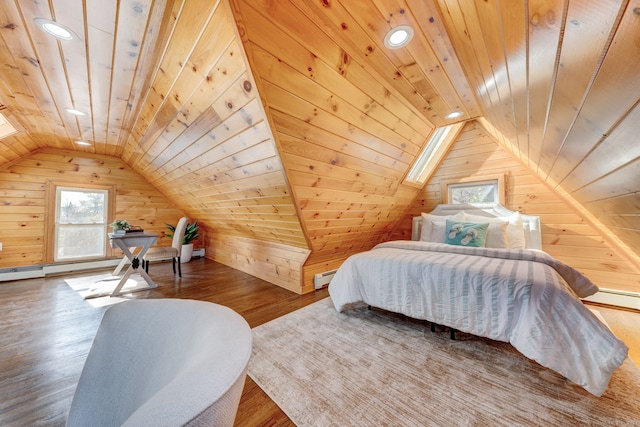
<point>290,121</point>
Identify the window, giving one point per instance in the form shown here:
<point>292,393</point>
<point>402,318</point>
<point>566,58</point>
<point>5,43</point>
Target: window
<point>80,223</point>
<point>481,193</point>
<point>6,128</point>
<point>433,151</point>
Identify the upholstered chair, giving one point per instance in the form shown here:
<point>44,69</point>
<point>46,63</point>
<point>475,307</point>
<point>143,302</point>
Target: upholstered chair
<point>164,362</point>
<point>160,253</point>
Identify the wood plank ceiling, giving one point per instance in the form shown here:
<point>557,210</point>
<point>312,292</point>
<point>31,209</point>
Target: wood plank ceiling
<point>289,121</point>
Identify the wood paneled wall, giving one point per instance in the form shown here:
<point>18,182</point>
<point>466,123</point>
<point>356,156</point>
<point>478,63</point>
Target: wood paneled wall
<point>305,143</point>
<point>345,149</point>
<point>560,81</point>
<point>565,234</point>
<point>276,263</point>
<point>201,136</point>
<point>24,194</point>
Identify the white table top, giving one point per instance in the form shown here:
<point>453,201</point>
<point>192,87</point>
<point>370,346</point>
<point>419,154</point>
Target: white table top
<point>130,235</point>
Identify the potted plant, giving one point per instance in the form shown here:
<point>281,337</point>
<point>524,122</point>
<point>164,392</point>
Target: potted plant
<point>190,234</point>
<point>120,226</point>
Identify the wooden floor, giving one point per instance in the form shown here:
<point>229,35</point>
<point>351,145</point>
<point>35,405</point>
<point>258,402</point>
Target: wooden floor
<point>46,330</point>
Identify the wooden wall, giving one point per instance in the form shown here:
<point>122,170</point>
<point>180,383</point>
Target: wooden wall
<point>288,124</point>
<point>201,136</point>
<point>565,234</point>
<point>24,194</point>
<point>560,81</point>
<point>345,138</point>
<point>276,263</point>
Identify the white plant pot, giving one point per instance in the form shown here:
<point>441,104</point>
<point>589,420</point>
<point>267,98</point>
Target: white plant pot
<point>187,251</point>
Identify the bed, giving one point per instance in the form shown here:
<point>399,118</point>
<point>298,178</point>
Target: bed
<point>482,271</point>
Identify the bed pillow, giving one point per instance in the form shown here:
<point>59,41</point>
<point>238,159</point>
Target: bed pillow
<point>515,237</point>
<point>497,234</point>
<point>466,233</point>
<point>433,226</point>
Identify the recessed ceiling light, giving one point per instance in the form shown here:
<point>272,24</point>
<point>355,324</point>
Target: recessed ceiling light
<point>398,36</point>
<point>453,115</point>
<point>58,31</point>
<point>75,112</point>
<point>83,143</point>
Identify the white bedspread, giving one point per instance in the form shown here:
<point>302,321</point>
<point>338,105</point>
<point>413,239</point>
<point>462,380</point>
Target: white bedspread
<point>523,297</point>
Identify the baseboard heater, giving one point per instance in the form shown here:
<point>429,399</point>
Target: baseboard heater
<point>321,280</point>
<point>198,252</point>
<point>42,270</point>
<point>617,298</point>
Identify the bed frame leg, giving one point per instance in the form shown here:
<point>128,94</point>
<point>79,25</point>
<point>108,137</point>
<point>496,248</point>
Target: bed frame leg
<point>433,327</point>
<point>452,333</point>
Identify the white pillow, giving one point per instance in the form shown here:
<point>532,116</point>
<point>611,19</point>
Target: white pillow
<point>515,231</point>
<point>433,226</point>
<point>513,235</point>
<point>497,234</point>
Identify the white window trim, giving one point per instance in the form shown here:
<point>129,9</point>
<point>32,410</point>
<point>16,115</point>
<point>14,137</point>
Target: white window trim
<point>50,226</point>
<point>432,153</point>
<point>58,225</point>
<point>476,180</point>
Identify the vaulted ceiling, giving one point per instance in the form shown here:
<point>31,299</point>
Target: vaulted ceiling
<point>289,121</point>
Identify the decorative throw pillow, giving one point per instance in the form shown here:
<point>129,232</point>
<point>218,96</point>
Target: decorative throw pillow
<point>466,233</point>
<point>497,234</point>
<point>515,235</point>
<point>433,226</point>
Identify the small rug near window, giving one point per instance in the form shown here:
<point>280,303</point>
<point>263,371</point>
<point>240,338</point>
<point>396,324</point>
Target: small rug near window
<point>97,288</point>
<point>374,368</point>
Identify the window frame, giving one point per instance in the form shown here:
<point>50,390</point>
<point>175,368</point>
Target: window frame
<point>50,224</point>
<point>431,155</point>
<point>499,179</point>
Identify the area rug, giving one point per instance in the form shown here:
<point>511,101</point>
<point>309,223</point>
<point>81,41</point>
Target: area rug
<point>96,288</point>
<point>374,368</point>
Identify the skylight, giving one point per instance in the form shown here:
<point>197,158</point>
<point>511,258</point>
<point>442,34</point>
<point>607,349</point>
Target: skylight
<point>431,154</point>
<point>6,128</point>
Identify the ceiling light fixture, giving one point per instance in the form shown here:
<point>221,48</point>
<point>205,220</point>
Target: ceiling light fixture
<point>398,37</point>
<point>83,143</point>
<point>75,112</point>
<point>58,31</point>
<point>453,115</point>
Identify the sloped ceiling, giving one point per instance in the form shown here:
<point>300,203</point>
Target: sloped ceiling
<point>559,81</point>
<point>309,146</point>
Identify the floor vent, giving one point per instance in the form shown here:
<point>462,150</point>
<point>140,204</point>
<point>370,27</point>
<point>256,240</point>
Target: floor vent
<point>322,279</point>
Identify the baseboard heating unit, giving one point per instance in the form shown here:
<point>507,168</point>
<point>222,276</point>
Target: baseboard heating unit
<point>616,298</point>
<point>42,270</point>
<point>321,280</point>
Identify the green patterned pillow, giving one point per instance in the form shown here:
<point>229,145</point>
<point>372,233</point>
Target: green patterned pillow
<point>466,233</point>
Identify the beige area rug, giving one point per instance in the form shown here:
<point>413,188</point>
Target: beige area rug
<point>96,288</point>
<point>374,368</point>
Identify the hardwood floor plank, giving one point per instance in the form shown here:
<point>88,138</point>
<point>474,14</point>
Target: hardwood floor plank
<point>46,330</point>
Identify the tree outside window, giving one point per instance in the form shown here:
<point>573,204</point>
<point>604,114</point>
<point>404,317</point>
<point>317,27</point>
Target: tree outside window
<point>480,192</point>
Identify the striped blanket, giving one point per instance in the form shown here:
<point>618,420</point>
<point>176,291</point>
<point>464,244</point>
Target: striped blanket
<point>523,297</point>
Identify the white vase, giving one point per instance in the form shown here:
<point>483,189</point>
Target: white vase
<point>187,251</point>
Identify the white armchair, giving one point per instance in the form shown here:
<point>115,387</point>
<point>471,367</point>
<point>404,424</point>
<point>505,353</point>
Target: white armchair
<point>160,253</point>
<point>165,362</point>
